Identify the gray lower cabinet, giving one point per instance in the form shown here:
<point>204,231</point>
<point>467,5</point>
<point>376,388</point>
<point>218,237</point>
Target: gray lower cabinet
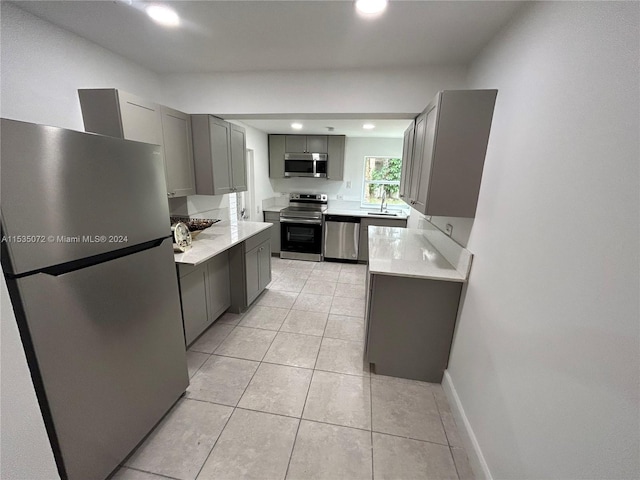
<point>219,155</point>
<point>447,153</point>
<point>219,289</point>
<point>193,293</point>
<point>205,294</point>
<point>410,323</point>
<point>363,246</point>
<point>109,111</point>
<point>250,270</point>
<point>274,219</point>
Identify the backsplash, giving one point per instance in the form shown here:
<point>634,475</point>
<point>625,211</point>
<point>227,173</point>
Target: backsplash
<point>202,206</point>
<point>461,226</point>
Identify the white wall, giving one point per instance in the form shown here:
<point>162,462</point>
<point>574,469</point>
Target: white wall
<point>546,355</point>
<point>25,452</point>
<point>355,91</point>
<point>43,66</point>
<point>259,142</point>
<point>354,152</point>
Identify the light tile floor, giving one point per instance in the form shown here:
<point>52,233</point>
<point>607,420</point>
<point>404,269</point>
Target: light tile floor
<point>282,392</point>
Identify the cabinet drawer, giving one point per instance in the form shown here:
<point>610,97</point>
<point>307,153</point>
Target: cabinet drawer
<point>252,242</point>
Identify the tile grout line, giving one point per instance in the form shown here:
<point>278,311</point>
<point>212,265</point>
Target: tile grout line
<point>320,422</point>
<point>243,392</point>
<point>236,405</point>
<point>261,361</point>
<point>215,443</point>
<point>371,400</point>
<point>304,405</point>
<point>445,434</point>
<point>146,471</point>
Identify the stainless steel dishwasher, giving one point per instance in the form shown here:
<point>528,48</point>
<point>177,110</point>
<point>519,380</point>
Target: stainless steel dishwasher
<point>341,236</point>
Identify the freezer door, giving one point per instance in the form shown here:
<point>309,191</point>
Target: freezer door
<point>109,345</point>
<point>63,190</point>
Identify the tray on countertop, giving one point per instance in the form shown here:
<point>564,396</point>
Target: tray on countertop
<point>195,224</point>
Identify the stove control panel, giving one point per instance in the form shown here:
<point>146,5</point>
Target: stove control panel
<point>309,197</point>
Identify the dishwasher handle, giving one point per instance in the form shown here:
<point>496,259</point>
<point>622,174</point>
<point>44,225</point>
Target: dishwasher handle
<point>342,218</point>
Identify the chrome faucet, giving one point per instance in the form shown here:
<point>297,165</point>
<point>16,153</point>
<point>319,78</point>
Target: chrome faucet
<point>384,198</point>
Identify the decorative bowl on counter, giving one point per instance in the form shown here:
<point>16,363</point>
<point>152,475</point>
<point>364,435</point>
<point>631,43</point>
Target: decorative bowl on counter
<point>181,237</point>
<point>195,224</point>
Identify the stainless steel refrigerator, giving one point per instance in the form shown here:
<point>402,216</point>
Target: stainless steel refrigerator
<point>89,265</point>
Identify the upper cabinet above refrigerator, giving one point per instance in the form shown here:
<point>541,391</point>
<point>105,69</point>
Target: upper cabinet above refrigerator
<point>444,153</point>
<point>119,114</point>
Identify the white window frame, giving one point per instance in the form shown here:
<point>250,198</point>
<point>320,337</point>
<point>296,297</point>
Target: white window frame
<point>365,183</point>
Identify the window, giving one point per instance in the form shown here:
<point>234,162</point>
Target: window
<point>382,174</point>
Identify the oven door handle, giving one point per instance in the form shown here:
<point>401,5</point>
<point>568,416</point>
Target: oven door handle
<point>308,221</point>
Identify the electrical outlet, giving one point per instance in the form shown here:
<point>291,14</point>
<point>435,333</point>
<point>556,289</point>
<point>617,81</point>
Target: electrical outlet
<point>448,229</point>
<point>259,209</point>
<point>348,183</point>
<point>339,197</point>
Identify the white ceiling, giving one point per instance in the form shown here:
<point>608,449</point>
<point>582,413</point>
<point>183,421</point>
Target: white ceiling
<point>233,36</point>
<point>388,128</point>
<point>226,36</point>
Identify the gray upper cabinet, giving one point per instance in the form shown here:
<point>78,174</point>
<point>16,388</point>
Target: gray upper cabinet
<point>219,155</point>
<point>238,145</point>
<point>306,144</point>
<point>295,143</point>
<point>112,112</point>
<point>407,156</point>
<point>416,166</point>
<point>317,144</point>
<point>276,156</point>
<point>332,145</point>
<point>449,147</point>
<point>335,150</point>
<point>178,156</point>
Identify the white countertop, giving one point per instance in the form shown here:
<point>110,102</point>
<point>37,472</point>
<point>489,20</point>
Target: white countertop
<point>273,208</point>
<point>407,252</point>
<point>361,212</point>
<point>218,238</point>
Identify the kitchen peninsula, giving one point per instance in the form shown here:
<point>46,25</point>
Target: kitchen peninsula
<point>227,267</point>
<point>414,284</point>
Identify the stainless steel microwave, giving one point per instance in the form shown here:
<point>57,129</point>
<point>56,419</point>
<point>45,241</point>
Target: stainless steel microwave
<point>305,165</point>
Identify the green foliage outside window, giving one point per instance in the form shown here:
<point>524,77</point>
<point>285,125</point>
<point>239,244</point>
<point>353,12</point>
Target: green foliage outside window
<point>382,174</point>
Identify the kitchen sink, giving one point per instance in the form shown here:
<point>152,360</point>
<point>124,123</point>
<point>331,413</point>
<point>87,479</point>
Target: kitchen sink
<point>385,214</point>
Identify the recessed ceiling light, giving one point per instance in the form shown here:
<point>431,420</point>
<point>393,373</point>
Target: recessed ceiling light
<point>368,126</point>
<point>296,126</point>
<point>163,15</point>
<point>370,7</point>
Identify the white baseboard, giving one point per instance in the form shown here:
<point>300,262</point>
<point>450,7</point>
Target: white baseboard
<point>471,445</point>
